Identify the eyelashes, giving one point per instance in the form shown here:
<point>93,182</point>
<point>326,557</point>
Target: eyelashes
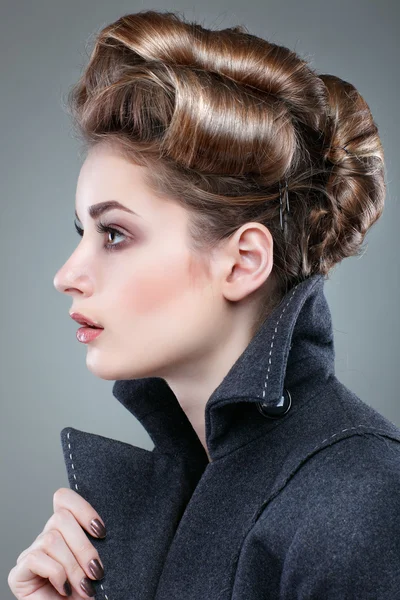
<point>102,228</point>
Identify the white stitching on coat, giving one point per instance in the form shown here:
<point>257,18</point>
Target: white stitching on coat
<point>272,341</point>
<point>76,485</point>
<point>349,429</point>
<point>72,464</point>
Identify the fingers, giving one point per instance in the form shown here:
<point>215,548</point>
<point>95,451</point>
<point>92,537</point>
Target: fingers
<point>62,556</point>
<point>83,512</point>
<point>26,577</point>
<point>64,539</point>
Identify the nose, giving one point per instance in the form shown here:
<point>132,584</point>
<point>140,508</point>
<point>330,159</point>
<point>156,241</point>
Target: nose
<point>72,278</point>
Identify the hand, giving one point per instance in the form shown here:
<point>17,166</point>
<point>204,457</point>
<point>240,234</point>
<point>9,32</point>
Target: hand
<point>61,554</point>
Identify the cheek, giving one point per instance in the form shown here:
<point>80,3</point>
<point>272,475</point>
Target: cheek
<point>173,282</point>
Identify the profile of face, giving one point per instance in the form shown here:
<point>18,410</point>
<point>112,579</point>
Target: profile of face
<point>162,310</point>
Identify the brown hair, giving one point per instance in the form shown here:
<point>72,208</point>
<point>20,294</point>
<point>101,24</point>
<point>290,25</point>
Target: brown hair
<point>221,118</point>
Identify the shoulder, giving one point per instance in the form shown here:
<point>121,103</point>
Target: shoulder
<point>339,516</point>
<point>356,459</point>
<point>351,488</point>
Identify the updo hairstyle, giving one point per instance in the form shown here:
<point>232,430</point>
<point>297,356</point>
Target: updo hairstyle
<point>221,119</point>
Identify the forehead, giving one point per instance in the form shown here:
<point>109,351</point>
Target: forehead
<point>107,175</point>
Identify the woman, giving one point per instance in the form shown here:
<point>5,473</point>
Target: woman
<point>242,178</point>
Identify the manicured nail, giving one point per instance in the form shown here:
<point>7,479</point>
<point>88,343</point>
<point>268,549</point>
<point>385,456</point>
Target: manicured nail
<point>67,588</point>
<point>96,569</point>
<point>98,528</point>
<point>87,586</point>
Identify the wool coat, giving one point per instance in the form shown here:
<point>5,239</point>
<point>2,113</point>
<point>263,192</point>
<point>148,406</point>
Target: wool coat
<point>301,499</point>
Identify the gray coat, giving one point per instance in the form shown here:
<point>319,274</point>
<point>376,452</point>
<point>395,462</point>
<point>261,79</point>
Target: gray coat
<point>303,505</point>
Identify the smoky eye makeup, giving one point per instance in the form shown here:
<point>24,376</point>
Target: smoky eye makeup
<point>103,228</point>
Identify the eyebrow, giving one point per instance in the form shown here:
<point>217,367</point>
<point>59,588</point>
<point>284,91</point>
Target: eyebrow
<point>95,210</point>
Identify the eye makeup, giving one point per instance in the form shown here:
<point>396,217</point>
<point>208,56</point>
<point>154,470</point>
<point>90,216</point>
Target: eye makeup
<point>103,228</point>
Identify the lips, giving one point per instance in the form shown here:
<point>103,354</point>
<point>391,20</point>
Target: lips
<point>85,321</point>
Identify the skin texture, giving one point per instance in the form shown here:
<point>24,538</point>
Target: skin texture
<point>165,312</point>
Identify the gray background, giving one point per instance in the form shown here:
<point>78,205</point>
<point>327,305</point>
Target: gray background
<point>45,385</point>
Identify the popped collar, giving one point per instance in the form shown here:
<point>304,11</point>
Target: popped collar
<point>293,347</point>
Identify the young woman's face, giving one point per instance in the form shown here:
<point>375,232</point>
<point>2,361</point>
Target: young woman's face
<point>155,300</point>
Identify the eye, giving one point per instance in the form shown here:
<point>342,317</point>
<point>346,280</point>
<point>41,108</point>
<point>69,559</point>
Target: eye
<point>102,228</point>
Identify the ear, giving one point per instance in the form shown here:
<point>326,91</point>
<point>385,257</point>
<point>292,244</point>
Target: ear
<point>247,261</point>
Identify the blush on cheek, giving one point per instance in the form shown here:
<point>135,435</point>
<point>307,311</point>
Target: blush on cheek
<point>153,291</point>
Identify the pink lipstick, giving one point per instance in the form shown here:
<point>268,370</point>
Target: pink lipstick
<point>90,330</point>
<point>87,334</point>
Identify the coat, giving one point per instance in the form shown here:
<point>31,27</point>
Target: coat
<point>301,499</point>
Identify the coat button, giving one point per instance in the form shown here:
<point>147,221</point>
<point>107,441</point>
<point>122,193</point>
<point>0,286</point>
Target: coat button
<point>278,411</point>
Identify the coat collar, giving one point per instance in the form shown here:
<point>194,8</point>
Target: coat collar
<point>292,354</point>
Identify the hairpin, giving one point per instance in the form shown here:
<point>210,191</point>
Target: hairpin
<point>284,205</point>
<point>284,208</point>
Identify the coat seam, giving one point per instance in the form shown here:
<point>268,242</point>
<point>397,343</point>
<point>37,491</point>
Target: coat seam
<point>318,448</point>
<point>76,486</point>
<point>273,337</point>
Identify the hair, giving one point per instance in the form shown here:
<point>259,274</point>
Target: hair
<point>220,118</point>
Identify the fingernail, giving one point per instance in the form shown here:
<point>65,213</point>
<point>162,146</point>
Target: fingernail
<point>87,586</point>
<point>68,588</point>
<point>98,528</point>
<point>96,569</point>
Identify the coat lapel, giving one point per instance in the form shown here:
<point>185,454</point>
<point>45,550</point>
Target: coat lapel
<point>140,495</point>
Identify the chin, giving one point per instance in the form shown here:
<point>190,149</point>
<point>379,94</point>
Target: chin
<point>102,371</point>
<point>107,366</point>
